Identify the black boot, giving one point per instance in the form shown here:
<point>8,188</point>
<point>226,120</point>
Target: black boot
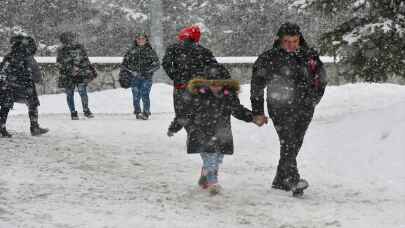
<point>278,183</point>
<point>141,116</point>
<point>146,115</point>
<point>4,133</point>
<point>74,115</point>
<point>88,114</point>
<point>298,189</point>
<point>3,119</point>
<point>296,186</point>
<point>36,130</point>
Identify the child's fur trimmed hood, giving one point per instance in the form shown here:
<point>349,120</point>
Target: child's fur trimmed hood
<point>228,84</point>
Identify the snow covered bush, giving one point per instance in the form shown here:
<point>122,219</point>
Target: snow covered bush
<point>370,41</point>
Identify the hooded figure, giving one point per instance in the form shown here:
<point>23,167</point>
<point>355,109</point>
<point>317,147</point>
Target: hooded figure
<point>18,74</point>
<point>137,69</point>
<point>295,79</point>
<point>75,70</point>
<point>184,61</point>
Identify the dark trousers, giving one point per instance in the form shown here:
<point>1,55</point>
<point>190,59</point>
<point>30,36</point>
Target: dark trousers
<point>32,113</point>
<point>180,98</point>
<point>291,126</point>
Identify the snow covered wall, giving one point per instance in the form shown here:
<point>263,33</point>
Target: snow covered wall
<point>108,69</point>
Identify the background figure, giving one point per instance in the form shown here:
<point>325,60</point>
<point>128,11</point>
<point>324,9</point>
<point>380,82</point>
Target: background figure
<point>139,65</point>
<point>18,74</point>
<point>184,61</point>
<point>295,79</point>
<point>75,70</point>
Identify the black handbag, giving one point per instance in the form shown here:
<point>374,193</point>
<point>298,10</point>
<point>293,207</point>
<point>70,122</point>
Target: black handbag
<point>125,78</point>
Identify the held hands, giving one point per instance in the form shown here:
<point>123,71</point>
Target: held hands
<point>260,120</point>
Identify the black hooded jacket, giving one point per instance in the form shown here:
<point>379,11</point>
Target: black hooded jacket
<point>290,82</point>
<point>74,65</point>
<point>19,72</point>
<point>187,60</point>
<point>208,124</point>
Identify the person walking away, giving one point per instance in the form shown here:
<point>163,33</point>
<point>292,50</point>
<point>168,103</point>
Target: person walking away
<point>18,74</point>
<point>75,71</point>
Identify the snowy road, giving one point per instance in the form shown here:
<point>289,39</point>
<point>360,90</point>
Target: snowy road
<point>115,171</point>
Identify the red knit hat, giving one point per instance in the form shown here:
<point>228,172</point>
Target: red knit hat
<point>192,33</point>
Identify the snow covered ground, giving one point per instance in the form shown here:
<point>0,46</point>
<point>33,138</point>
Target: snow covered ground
<point>115,171</point>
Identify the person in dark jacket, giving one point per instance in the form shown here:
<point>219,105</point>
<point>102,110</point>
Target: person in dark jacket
<point>140,63</point>
<point>295,79</point>
<point>18,74</point>
<point>184,61</point>
<point>75,70</point>
<point>208,124</point>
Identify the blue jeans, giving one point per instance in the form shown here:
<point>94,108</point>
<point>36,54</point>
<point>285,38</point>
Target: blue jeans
<point>70,95</point>
<point>211,162</point>
<point>140,91</point>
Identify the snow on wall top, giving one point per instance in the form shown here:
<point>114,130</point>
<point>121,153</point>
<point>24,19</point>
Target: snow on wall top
<point>118,60</point>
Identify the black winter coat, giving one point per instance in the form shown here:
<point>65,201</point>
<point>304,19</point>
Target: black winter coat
<point>290,83</point>
<point>19,72</point>
<point>185,61</point>
<point>208,125</point>
<point>142,60</point>
<point>74,66</point>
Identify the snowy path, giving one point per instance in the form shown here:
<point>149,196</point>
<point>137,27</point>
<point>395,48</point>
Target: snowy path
<point>115,171</point>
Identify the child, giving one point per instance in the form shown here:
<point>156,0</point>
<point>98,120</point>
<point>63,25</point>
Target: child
<point>208,124</point>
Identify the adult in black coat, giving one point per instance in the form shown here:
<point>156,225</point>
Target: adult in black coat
<point>295,79</point>
<point>18,74</point>
<point>138,67</point>
<point>187,60</point>
<point>75,70</point>
<point>208,123</point>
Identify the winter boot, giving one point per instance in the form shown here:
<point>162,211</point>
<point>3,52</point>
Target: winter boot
<point>141,116</point>
<point>4,133</point>
<point>212,183</point>
<point>74,115</point>
<point>203,181</point>
<point>36,130</point>
<point>214,189</point>
<point>278,183</point>
<point>297,187</point>
<point>88,114</point>
<point>146,114</point>
<point>3,119</point>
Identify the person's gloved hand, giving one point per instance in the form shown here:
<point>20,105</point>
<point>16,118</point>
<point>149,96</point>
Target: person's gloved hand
<point>260,120</point>
<point>170,133</point>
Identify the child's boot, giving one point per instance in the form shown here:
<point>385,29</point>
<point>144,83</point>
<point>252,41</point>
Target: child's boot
<point>203,181</point>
